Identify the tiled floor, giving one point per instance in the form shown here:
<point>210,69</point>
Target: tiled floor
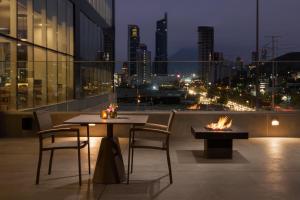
<point>262,168</point>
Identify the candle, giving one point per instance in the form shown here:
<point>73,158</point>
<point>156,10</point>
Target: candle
<point>104,114</point>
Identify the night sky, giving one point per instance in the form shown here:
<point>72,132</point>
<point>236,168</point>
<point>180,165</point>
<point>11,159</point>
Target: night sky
<point>234,22</point>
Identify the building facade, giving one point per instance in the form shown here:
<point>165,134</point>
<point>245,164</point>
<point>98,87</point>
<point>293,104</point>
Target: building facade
<point>143,64</point>
<point>161,47</point>
<point>206,52</point>
<point>133,45</point>
<point>40,42</point>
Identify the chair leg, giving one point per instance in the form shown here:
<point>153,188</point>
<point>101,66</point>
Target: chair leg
<point>50,162</point>
<point>129,155</point>
<point>39,168</point>
<point>89,152</point>
<point>169,166</point>
<point>131,167</point>
<point>79,166</point>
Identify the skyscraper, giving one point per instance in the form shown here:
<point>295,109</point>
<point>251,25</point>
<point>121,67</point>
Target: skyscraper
<point>161,50</point>
<point>143,64</point>
<point>206,52</point>
<point>133,45</point>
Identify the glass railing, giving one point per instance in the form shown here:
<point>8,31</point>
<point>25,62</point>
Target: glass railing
<point>139,86</point>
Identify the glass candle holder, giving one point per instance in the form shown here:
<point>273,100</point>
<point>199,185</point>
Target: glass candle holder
<point>104,114</point>
<point>113,114</point>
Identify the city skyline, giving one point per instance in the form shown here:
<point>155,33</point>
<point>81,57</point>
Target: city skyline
<point>235,28</point>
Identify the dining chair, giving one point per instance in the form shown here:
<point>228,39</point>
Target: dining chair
<point>47,131</point>
<point>143,143</point>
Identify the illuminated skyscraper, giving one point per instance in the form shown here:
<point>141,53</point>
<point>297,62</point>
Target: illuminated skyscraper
<point>133,45</point>
<point>143,64</point>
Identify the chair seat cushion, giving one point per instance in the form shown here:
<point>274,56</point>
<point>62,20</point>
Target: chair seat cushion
<point>149,144</point>
<point>65,144</point>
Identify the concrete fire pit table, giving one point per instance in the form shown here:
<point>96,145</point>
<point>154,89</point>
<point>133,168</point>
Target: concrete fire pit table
<point>218,143</point>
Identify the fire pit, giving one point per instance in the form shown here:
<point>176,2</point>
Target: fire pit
<point>218,138</point>
<point>224,124</point>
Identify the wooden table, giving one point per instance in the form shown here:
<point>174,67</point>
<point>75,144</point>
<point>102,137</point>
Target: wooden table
<point>110,166</point>
<point>218,144</point>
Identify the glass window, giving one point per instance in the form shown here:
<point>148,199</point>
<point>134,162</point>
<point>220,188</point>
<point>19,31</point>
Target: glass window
<point>62,26</point>
<point>8,17</point>
<point>91,37</point>
<point>52,24</point>
<point>7,74</point>
<point>39,21</point>
<point>70,29</point>
<point>24,76</point>
<point>24,29</point>
<point>40,78</point>
<point>62,78</point>
<point>52,77</point>
<point>70,78</point>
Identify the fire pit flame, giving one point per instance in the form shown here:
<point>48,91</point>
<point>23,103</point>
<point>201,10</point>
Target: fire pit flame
<point>224,123</point>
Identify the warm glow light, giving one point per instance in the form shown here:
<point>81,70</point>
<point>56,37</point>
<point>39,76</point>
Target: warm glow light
<point>223,123</point>
<point>104,114</point>
<point>192,92</point>
<point>275,122</point>
<point>92,124</point>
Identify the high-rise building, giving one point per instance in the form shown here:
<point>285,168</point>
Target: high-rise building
<point>206,52</point>
<point>143,64</point>
<point>161,49</point>
<point>40,40</point>
<point>219,72</point>
<point>133,45</point>
<point>125,73</point>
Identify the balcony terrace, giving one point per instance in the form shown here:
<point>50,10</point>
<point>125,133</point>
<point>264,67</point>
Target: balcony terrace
<point>267,166</point>
<point>262,168</point>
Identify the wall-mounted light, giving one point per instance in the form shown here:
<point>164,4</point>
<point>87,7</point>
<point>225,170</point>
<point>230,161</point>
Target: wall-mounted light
<point>92,124</point>
<point>275,122</point>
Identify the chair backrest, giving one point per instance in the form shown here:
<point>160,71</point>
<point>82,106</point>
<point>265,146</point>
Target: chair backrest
<point>43,120</point>
<point>171,119</point>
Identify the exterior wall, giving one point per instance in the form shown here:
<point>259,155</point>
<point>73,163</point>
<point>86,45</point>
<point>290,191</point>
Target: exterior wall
<point>39,42</point>
<point>258,124</point>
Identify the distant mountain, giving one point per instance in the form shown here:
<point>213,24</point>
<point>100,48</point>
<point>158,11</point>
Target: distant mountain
<point>187,55</point>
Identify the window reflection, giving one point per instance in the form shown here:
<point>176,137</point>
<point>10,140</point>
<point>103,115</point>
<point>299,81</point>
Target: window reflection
<point>5,10</point>
<point>62,26</point>
<point>39,21</point>
<point>52,24</point>
<point>24,76</point>
<point>39,83</point>
<point>32,76</point>
<point>36,61</point>
<point>51,77</point>
<point>6,96</point>
<point>62,78</point>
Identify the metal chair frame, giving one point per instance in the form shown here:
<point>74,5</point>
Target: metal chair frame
<point>45,131</point>
<point>164,130</point>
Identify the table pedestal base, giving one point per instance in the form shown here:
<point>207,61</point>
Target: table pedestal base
<point>110,166</point>
<point>218,148</point>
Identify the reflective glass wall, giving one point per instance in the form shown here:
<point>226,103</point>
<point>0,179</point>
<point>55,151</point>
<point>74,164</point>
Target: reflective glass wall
<point>36,53</point>
<point>104,8</point>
